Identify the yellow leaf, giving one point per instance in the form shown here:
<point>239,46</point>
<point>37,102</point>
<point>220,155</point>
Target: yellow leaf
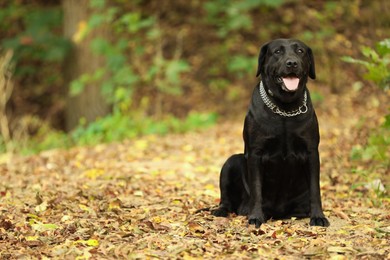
<point>85,208</point>
<point>115,204</point>
<point>212,193</point>
<point>41,207</point>
<point>157,219</point>
<point>89,242</point>
<point>201,168</point>
<point>188,148</point>
<point>66,218</point>
<point>93,173</point>
<point>210,187</point>
<point>141,144</point>
<point>92,242</point>
<point>81,32</point>
<point>139,193</point>
<point>43,227</point>
<point>32,238</point>
<point>190,158</point>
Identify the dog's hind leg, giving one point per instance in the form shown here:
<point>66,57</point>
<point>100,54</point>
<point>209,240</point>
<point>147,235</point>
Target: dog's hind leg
<point>231,186</point>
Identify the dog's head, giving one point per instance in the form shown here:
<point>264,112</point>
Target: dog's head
<point>284,66</point>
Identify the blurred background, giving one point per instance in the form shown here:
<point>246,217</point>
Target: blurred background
<point>85,72</point>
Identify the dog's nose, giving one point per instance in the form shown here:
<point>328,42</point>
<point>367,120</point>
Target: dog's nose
<point>291,63</point>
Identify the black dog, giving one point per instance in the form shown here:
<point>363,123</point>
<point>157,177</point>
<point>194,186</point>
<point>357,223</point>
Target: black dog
<point>279,173</point>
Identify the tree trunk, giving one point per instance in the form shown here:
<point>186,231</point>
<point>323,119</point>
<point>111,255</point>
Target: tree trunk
<point>89,104</point>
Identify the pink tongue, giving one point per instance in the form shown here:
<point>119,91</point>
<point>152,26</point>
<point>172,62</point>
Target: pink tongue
<point>291,83</point>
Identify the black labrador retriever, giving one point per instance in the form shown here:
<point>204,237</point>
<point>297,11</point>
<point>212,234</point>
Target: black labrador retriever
<point>278,176</point>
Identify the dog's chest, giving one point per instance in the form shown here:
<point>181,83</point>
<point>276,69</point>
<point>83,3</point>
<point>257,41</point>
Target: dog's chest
<point>283,146</point>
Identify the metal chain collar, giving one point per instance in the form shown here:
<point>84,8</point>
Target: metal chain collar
<point>274,108</point>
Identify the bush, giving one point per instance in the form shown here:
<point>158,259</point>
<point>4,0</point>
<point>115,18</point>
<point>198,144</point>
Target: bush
<point>115,127</point>
<point>377,147</point>
<point>377,63</point>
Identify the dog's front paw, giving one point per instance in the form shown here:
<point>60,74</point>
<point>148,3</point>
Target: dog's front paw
<point>256,220</point>
<point>319,221</point>
<point>220,212</point>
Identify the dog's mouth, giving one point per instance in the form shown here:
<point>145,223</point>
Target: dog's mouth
<point>289,83</point>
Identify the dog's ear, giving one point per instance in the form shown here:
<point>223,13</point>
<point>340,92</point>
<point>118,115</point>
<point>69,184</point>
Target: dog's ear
<point>312,69</point>
<point>262,55</point>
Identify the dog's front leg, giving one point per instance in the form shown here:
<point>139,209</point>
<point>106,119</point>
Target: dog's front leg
<point>317,217</point>
<point>255,175</point>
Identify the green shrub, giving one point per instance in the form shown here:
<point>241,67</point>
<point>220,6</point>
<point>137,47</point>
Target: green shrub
<point>377,147</point>
<point>115,127</point>
<point>38,42</point>
<point>376,151</point>
<point>230,16</point>
<point>377,63</point>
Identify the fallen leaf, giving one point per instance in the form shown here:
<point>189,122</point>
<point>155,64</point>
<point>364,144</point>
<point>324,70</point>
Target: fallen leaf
<point>341,250</point>
<point>38,226</point>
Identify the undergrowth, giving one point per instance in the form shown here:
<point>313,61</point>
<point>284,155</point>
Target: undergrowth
<point>372,160</point>
<point>115,127</point>
<point>376,63</point>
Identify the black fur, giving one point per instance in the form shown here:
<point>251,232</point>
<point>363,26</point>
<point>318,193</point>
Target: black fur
<point>278,174</point>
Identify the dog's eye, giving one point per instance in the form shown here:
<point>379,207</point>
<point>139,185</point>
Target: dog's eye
<point>278,52</point>
<point>300,51</point>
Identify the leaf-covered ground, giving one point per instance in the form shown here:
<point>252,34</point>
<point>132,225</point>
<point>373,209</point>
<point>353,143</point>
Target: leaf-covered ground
<point>138,199</point>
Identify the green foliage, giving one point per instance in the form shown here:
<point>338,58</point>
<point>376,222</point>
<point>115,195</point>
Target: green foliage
<point>38,41</point>
<point>128,66</point>
<point>44,140</point>
<point>159,51</point>
<point>377,147</point>
<point>241,65</point>
<point>34,34</point>
<point>111,128</point>
<point>369,182</point>
<point>377,63</point>
<point>167,75</point>
<point>117,127</point>
<point>232,19</point>
<point>316,97</point>
<point>232,16</point>
<point>133,22</point>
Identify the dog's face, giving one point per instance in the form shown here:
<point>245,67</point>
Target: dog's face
<point>284,66</point>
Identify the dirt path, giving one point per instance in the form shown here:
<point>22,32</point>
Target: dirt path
<point>137,200</point>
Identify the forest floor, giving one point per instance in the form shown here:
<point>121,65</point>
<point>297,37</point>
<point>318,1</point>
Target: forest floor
<point>137,199</point>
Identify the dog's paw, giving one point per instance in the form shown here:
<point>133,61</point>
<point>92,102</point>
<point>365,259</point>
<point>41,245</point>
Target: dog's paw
<point>220,212</point>
<point>319,221</point>
<point>257,221</point>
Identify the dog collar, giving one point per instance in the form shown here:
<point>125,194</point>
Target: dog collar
<point>274,108</point>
